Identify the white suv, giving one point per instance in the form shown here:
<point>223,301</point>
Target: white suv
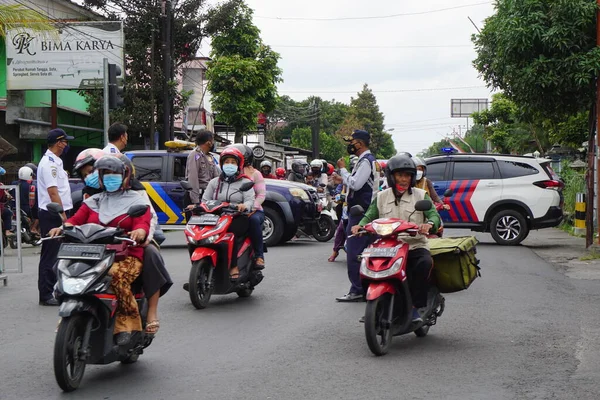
<point>505,195</point>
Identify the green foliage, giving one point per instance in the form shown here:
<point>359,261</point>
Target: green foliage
<point>331,146</point>
<point>243,72</point>
<point>542,54</point>
<point>574,183</point>
<point>18,16</point>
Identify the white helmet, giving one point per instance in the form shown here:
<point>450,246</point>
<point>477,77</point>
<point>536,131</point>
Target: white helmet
<point>266,163</point>
<point>25,174</point>
<point>316,163</point>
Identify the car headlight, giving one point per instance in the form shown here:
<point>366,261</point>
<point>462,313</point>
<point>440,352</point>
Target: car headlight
<point>299,192</point>
<point>385,229</point>
<point>380,274</point>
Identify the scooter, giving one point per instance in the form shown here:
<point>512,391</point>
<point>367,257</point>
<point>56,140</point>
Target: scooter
<point>383,272</point>
<point>27,236</point>
<point>325,227</point>
<point>210,247</point>
<point>87,304</point>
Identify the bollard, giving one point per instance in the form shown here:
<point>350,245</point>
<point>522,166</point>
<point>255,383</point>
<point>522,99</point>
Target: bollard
<point>579,214</point>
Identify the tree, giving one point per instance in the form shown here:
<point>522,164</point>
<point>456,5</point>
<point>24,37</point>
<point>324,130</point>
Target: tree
<point>144,98</point>
<point>542,54</point>
<point>16,15</point>
<point>243,72</point>
<point>331,147</point>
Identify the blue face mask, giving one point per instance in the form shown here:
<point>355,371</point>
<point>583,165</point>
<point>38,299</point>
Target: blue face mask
<point>112,182</point>
<point>92,180</point>
<point>230,169</point>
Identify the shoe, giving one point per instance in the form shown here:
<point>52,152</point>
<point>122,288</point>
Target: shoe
<point>50,302</point>
<point>362,320</point>
<point>416,317</point>
<point>350,297</point>
<point>333,256</point>
<point>186,286</point>
<point>259,264</point>
<point>122,338</point>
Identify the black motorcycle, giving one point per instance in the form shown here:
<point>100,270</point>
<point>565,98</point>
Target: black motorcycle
<point>87,304</point>
<point>27,236</point>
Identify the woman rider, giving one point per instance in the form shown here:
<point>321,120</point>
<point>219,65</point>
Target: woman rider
<point>109,209</point>
<point>423,183</point>
<point>226,188</point>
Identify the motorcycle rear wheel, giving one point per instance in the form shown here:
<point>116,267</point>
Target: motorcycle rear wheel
<point>199,291</point>
<point>12,242</point>
<point>422,331</point>
<point>68,369</point>
<point>379,339</point>
<point>245,292</point>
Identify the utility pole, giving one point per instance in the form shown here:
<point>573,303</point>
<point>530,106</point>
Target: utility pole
<point>592,155</point>
<point>106,110</point>
<point>315,129</point>
<point>166,50</point>
<point>152,100</point>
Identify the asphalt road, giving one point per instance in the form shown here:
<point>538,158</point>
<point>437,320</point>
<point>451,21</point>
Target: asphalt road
<point>522,331</point>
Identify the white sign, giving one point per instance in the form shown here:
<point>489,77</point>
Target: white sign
<point>71,58</point>
<point>461,108</point>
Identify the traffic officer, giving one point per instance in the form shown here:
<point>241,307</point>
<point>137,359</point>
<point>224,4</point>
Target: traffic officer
<point>200,167</point>
<point>117,138</point>
<point>53,187</point>
<point>361,186</point>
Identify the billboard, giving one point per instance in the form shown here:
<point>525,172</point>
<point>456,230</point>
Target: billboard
<point>71,58</point>
<point>463,108</point>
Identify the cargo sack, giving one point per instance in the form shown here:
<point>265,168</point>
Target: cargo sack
<point>455,265</point>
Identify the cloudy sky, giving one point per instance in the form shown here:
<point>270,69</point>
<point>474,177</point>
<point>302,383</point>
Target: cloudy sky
<point>393,55</point>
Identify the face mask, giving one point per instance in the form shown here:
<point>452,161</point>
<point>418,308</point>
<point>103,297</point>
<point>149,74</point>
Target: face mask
<point>92,180</point>
<point>351,149</point>
<point>419,175</point>
<point>66,150</point>
<point>112,182</point>
<point>401,188</point>
<point>230,169</point>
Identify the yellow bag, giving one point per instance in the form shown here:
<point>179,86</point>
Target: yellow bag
<point>455,265</point>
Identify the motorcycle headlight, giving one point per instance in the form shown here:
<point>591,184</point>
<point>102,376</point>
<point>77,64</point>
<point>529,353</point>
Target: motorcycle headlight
<point>76,285</point>
<point>190,240</point>
<point>385,229</point>
<point>380,274</point>
<point>299,192</point>
<point>209,240</point>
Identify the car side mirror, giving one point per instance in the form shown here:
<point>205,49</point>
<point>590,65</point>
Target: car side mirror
<point>186,185</point>
<point>423,205</point>
<point>246,186</point>
<point>357,211</point>
<point>137,210</point>
<point>55,208</point>
<point>448,193</point>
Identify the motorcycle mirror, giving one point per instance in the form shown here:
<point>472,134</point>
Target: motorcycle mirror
<point>137,210</point>
<point>357,211</point>
<point>55,208</point>
<point>448,193</point>
<point>422,205</point>
<point>246,186</point>
<point>186,185</point>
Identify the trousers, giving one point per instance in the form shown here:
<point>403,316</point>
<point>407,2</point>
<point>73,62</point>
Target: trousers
<point>354,247</point>
<point>418,271</point>
<point>49,252</point>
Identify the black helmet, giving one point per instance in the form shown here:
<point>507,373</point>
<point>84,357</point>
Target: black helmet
<point>300,167</point>
<point>114,165</point>
<point>246,151</point>
<point>32,166</point>
<point>400,162</point>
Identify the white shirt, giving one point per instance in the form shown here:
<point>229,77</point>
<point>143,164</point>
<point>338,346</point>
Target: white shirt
<point>50,173</point>
<point>111,149</point>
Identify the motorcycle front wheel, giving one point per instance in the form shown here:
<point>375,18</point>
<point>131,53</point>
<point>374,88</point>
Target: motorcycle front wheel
<point>68,368</point>
<point>200,288</point>
<point>324,229</point>
<point>377,328</point>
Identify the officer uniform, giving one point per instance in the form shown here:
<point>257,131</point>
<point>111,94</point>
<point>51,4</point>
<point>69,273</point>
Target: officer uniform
<point>111,149</point>
<point>50,173</point>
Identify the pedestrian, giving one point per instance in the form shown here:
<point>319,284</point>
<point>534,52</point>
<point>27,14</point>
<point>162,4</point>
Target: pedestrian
<point>200,167</point>
<point>53,187</point>
<point>117,138</point>
<point>361,186</point>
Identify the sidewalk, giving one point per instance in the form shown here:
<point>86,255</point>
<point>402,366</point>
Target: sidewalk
<point>564,251</point>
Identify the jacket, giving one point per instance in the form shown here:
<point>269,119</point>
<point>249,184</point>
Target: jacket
<point>218,189</point>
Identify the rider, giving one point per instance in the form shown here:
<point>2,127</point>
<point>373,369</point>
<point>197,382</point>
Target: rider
<point>226,188</point>
<point>25,190</point>
<point>280,173</point>
<point>109,208</point>
<point>320,177</point>
<point>399,202</point>
<point>299,171</point>
<point>422,182</point>
<point>265,168</point>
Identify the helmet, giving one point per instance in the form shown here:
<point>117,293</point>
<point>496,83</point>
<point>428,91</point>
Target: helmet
<point>87,157</point>
<point>2,171</point>
<point>300,167</point>
<point>25,174</point>
<point>280,172</point>
<point>128,166</point>
<point>420,163</point>
<point>266,164</point>
<point>233,152</point>
<point>32,166</point>
<point>246,151</point>
<point>330,169</point>
<point>316,164</point>
<point>114,165</point>
<point>400,162</point>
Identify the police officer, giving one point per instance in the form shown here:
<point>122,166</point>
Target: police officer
<point>200,167</point>
<point>117,138</point>
<point>361,186</point>
<point>53,187</point>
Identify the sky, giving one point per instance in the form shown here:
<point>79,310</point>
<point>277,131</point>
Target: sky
<point>367,51</point>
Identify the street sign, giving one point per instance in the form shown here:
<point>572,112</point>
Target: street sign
<point>463,108</point>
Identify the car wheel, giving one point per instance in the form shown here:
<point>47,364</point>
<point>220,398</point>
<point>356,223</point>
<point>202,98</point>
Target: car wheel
<point>509,227</point>
<point>272,227</point>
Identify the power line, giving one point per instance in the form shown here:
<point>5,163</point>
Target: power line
<point>386,91</point>
<point>369,47</point>
<point>374,16</point>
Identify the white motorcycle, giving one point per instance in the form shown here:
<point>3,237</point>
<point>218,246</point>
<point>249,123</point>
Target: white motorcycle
<point>325,228</point>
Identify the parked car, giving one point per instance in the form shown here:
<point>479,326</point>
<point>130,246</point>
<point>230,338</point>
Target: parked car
<point>505,195</point>
<point>288,206</point>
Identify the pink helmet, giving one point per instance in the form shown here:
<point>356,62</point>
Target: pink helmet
<point>87,157</point>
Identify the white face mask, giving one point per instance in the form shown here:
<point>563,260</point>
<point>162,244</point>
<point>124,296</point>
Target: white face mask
<point>419,175</point>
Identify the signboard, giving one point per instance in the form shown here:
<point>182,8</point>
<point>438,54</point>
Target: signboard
<point>463,108</point>
<point>71,58</point>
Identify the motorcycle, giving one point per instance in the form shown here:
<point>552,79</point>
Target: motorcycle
<point>27,236</point>
<point>383,272</point>
<point>325,227</point>
<point>210,247</point>
<point>87,304</point>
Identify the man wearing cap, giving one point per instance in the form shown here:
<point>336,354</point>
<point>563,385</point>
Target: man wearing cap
<point>361,186</point>
<point>117,138</point>
<point>53,187</point>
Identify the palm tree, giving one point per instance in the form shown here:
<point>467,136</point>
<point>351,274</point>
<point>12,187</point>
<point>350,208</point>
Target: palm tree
<point>15,15</point>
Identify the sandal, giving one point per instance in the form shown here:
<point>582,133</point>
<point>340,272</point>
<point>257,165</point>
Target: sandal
<point>234,277</point>
<point>333,256</point>
<point>259,263</point>
<point>152,327</point>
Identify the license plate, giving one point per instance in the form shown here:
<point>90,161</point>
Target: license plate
<point>206,220</point>
<point>81,251</point>
<point>380,252</point>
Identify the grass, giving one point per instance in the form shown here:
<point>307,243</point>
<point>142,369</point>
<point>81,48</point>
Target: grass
<point>593,255</point>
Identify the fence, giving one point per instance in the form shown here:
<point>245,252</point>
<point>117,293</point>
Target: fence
<point>19,268</point>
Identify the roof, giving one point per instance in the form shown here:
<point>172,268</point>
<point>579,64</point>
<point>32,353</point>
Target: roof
<point>82,10</point>
<point>477,155</point>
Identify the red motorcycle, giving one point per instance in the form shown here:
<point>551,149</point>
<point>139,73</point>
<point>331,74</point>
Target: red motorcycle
<point>211,247</point>
<point>383,273</point>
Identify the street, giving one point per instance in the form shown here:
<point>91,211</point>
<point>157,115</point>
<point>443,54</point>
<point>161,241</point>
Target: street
<point>522,331</point>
